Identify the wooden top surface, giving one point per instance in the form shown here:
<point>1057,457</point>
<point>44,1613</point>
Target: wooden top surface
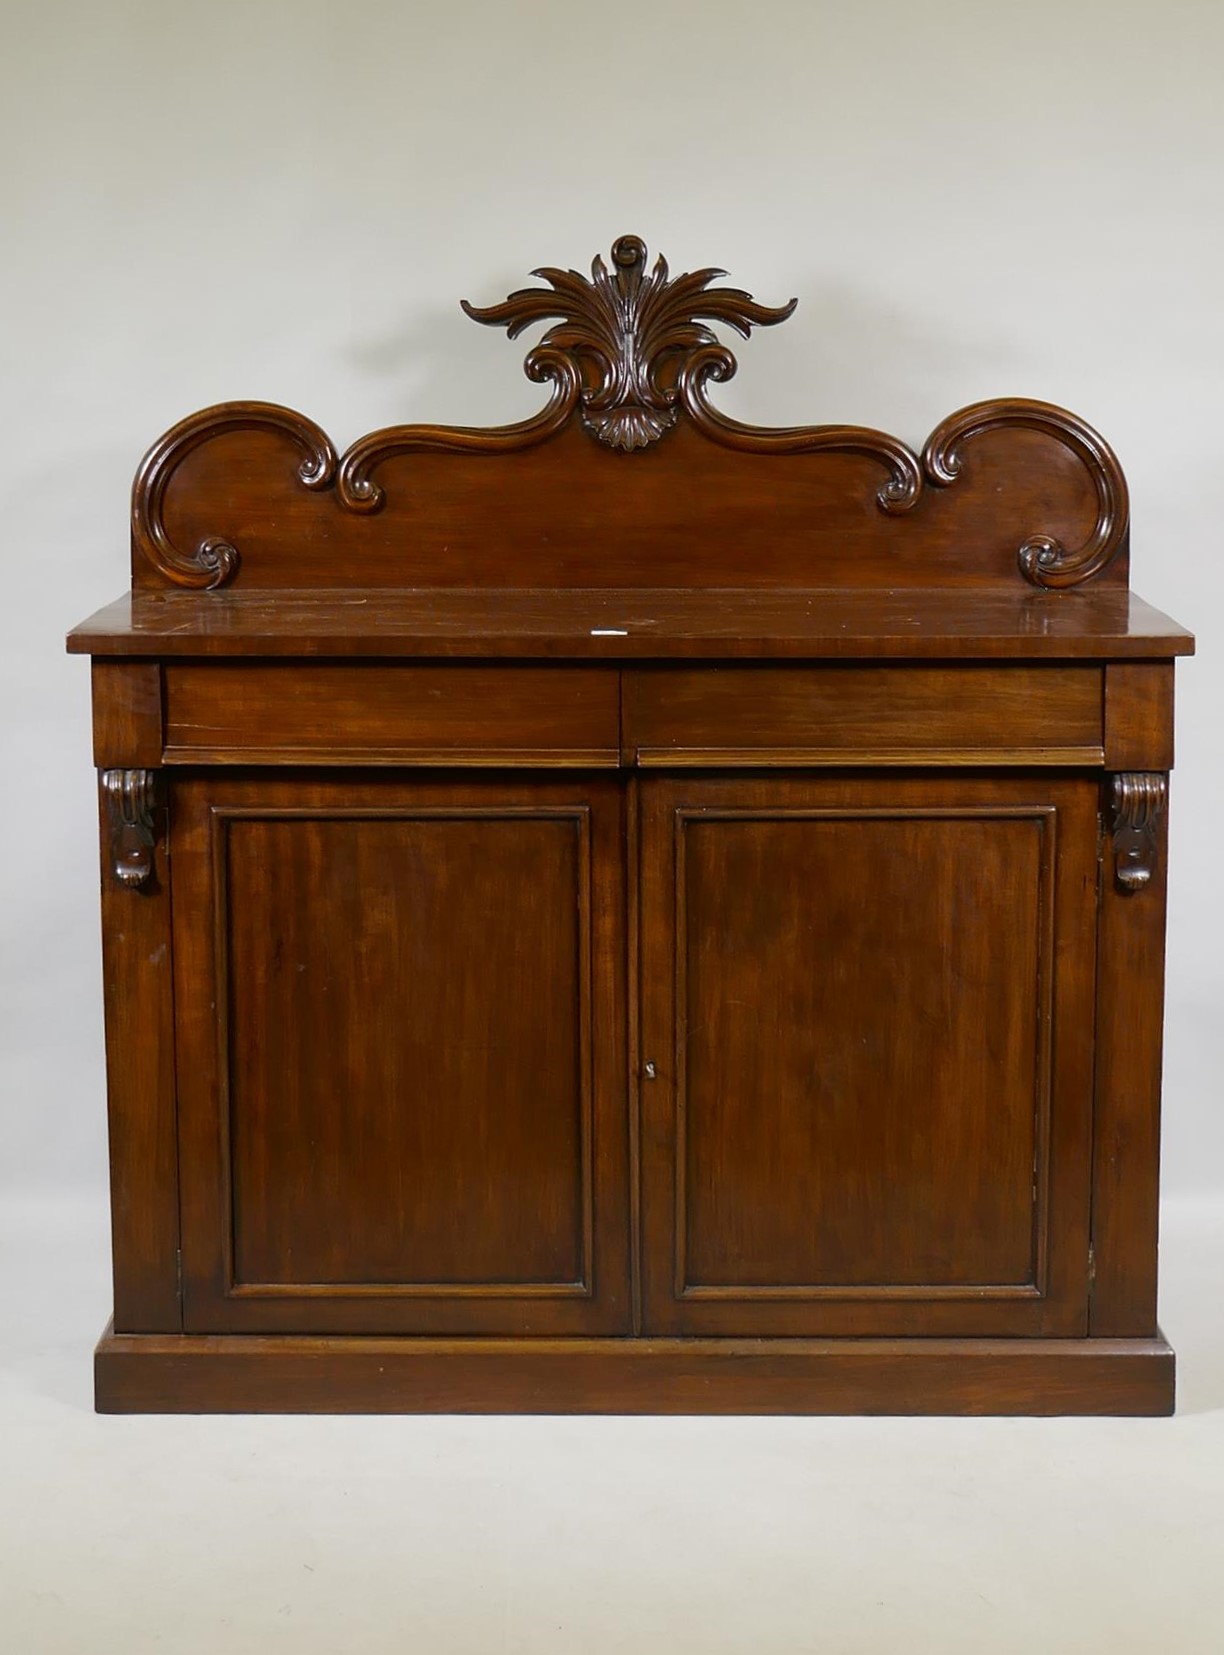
<point>1098,623</point>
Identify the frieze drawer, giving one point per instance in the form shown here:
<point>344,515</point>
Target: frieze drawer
<point>864,715</point>
<point>390,714</point>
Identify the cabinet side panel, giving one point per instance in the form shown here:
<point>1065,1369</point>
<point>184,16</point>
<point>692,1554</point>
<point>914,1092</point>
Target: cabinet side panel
<point>1139,715</point>
<point>1126,1156</point>
<point>139,1011</point>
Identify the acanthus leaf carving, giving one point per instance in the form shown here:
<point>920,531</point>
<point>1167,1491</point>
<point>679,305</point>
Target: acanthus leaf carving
<point>131,798</point>
<point>1139,800</point>
<point>629,334</point>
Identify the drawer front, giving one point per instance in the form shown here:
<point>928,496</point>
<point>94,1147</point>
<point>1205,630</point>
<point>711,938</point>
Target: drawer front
<point>840,715</point>
<point>380,714</point>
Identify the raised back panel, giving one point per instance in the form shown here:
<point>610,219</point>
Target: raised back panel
<point>630,477</point>
<point>570,513</point>
<point>379,1030</point>
<point>897,1054</point>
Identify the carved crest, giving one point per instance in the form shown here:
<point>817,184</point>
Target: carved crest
<point>629,334</point>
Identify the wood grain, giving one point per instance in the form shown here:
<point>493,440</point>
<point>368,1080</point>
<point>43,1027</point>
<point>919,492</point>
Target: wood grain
<point>127,714</point>
<point>340,714</point>
<point>863,715</point>
<point>1139,715</point>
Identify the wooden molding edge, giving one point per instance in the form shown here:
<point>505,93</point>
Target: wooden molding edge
<point>406,757</point>
<point>150,1373</point>
<point>846,758</point>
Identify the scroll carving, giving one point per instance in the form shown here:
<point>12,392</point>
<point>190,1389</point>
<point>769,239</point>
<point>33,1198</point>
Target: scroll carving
<point>1139,800</point>
<point>131,800</point>
<point>215,560</point>
<point>1043,560</point>
<point>628,334</point>
<point>356,487</point>
<point>899,493</point>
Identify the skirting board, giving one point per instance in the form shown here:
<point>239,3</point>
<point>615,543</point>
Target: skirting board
<point>207,1373</point>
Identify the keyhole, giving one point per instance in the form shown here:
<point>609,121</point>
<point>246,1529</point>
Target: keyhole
<point>651,1072</point>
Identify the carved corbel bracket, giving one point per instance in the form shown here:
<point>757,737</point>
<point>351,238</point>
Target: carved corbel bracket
<point>131,798</point>
<point>1139,799</point>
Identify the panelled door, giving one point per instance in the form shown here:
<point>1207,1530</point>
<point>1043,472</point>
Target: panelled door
<point>867,1045</point>
<point>401,1087</point>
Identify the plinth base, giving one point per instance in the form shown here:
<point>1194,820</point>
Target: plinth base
<point>201,1373</point>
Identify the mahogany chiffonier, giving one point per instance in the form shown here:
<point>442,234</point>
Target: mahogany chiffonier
<point>631,910</point>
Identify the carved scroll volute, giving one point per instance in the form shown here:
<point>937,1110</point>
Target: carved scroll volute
<point>629,334</point>
<point>215,560</point>
<point>1139,800</point>
<point>898,493</point>
<point>131,800</point>
<point>1043,560</point>
<point>356,489</point>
